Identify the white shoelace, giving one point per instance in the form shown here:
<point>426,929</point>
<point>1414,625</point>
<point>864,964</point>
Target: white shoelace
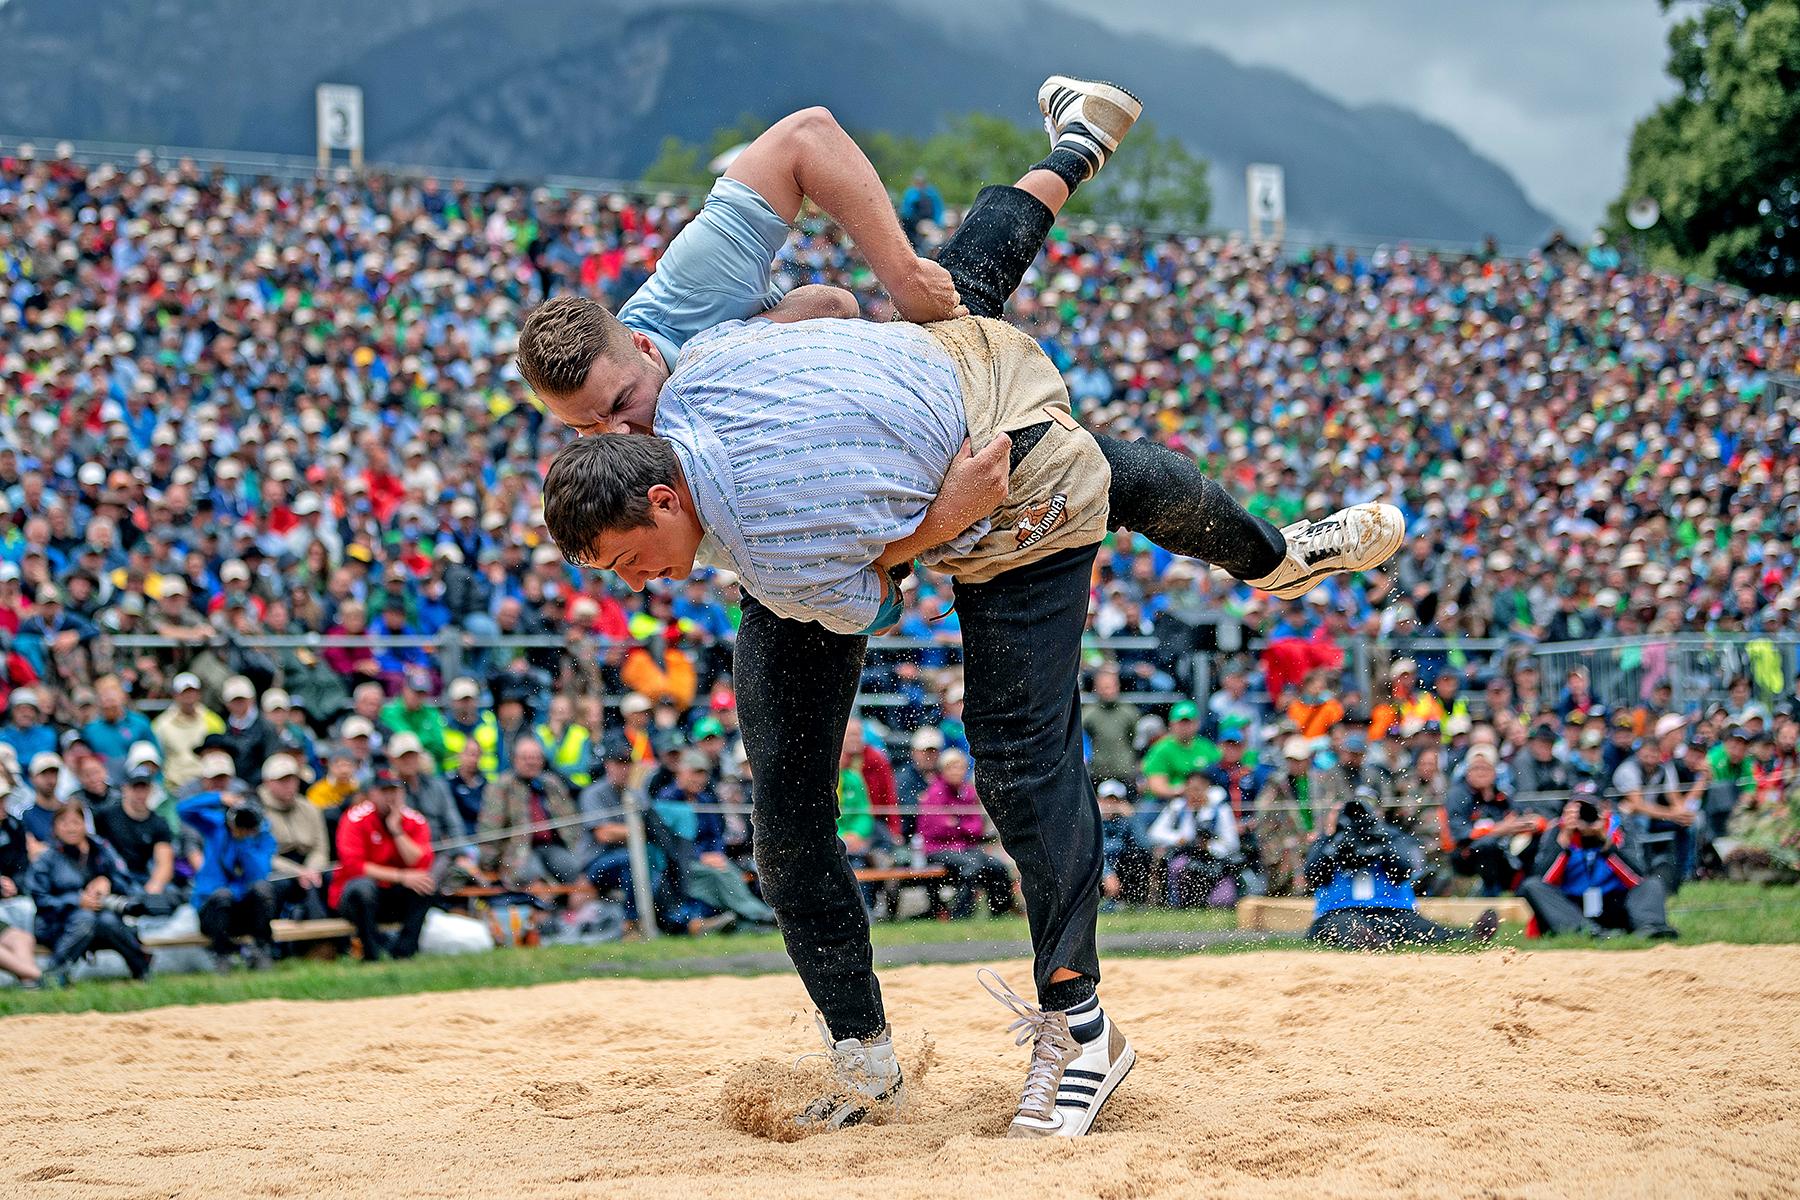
<point>1051,1043</point>
<point>1345,536</point>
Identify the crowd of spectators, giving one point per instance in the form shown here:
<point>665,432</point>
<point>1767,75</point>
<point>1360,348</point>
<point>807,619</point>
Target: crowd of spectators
<point>242,413</point>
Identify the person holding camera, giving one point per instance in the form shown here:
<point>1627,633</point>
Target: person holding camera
<point>1586,881</point>
<point>1196,838</point>
<point>1361,875</point>
<point>78,885</point>
<point>235,897</point>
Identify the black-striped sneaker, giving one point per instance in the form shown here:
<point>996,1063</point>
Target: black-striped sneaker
<point>1351,539</point>
<point>1073,1072</point>
<point>1088,116</point>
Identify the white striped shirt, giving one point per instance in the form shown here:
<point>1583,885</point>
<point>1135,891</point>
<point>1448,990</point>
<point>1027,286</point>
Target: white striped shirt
<point>810,447</point>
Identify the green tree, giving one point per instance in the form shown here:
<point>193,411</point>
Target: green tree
<point>684,164</point>
<point>1721,158</point>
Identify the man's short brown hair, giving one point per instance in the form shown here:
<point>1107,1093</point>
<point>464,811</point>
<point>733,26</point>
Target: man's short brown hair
<point>598,485</point>
<point>561,339</point>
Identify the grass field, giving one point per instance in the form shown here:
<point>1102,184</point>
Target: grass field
<point>1704,912</point>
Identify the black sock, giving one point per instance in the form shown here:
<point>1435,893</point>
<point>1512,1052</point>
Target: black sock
<point>1070,166</point>
<point>1066,994</point>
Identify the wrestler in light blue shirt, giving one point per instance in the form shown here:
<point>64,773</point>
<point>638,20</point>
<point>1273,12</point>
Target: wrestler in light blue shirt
<point>717,269</point>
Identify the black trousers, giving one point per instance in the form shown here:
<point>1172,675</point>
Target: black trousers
<point>1021,647</point>
<point>1642,909</point>
<point>72,934</point>
<point>1155,491</point>
<point>369,905</point>
<point>797,682</point>
<point>224,918</point>
<point>1381,929</point>
<point>967,870</point>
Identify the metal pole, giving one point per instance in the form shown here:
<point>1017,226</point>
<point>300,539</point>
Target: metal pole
<point>640,865</point>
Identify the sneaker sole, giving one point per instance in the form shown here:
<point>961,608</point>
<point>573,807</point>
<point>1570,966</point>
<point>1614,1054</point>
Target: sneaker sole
<point>1100,89</point>
<point>1381,554</point>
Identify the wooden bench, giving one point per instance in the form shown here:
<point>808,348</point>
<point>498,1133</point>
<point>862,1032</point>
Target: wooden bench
<point>1292,914</point>
<point>284,931</point>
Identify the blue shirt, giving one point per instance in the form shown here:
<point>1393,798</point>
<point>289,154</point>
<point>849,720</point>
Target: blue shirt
<point>716,270</point>
<point>809,448</point>
<point>1376,891</point>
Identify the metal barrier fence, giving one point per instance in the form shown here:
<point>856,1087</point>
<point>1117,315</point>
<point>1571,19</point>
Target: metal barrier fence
<point>1622,672</point>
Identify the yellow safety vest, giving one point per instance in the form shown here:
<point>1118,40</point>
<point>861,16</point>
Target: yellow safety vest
<point>570,757</point>
<point>486,734</point>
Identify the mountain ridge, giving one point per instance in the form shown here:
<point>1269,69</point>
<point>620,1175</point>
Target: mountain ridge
<point>542,87</point>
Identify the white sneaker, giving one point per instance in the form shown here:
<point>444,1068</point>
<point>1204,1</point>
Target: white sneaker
<point>867,1074</point>
<point>1351,539</point>
<point>1088,116</point>
<point>1067,1081</point>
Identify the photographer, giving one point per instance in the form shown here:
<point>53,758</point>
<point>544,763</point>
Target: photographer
<point>1361,874</point>
<point>1196,837</point>
<point>73,883</point>
<point>1584,881</point>
<point>232,886</point>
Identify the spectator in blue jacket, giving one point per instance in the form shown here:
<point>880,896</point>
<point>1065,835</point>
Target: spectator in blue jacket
<point>918,204</point>
<point>77,883</point>
<point>232,886</point>
<point>25,730</point>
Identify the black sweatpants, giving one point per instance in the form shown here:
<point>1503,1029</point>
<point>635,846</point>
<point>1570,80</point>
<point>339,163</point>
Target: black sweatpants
<point>224,918</point>
<point>369,905</point>
<point>797,681</point>
<point>1381,929</point>
<point>1642,909</point>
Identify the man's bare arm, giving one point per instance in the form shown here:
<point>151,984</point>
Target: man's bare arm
<point>974,486</point>
<point>808,156</point>
<point>813,300</point>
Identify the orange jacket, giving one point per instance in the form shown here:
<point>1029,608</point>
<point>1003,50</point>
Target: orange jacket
<point>674,680</point>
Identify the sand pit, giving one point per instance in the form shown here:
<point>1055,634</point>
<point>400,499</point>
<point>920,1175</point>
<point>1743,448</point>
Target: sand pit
<point>1666,1072</point>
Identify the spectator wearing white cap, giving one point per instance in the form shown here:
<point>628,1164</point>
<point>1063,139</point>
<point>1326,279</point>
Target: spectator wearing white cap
<point>290,733</point>
<point>1288,818</point>
<point>54,637</point>
<point>234,588</point>
<point>916,774</point>
<point>302,845</point>
<point>248,736</point>
<point>175,617</point>
<point>357,736</point>
<point>45,771</point>
<point>1491,838</point>
<point>426,793</point>
<point>25,729</point>
<point>182,728</point>
<point>468,721</point>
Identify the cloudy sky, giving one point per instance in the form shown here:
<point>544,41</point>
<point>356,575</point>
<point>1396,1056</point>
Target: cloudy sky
<point>1548,88</point>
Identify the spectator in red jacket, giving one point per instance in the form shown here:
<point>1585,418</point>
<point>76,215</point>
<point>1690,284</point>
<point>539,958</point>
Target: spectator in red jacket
<point>877,771</point>
<point>384,872</point>
<point>952,832</point>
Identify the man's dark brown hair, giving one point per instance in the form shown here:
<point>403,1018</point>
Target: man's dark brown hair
<point>561,339</point>
<point>597,485</point>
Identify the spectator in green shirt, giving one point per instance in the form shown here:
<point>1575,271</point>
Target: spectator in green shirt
<point>1179,753</point>
<point>855,825</point>
<point>413,712</point>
